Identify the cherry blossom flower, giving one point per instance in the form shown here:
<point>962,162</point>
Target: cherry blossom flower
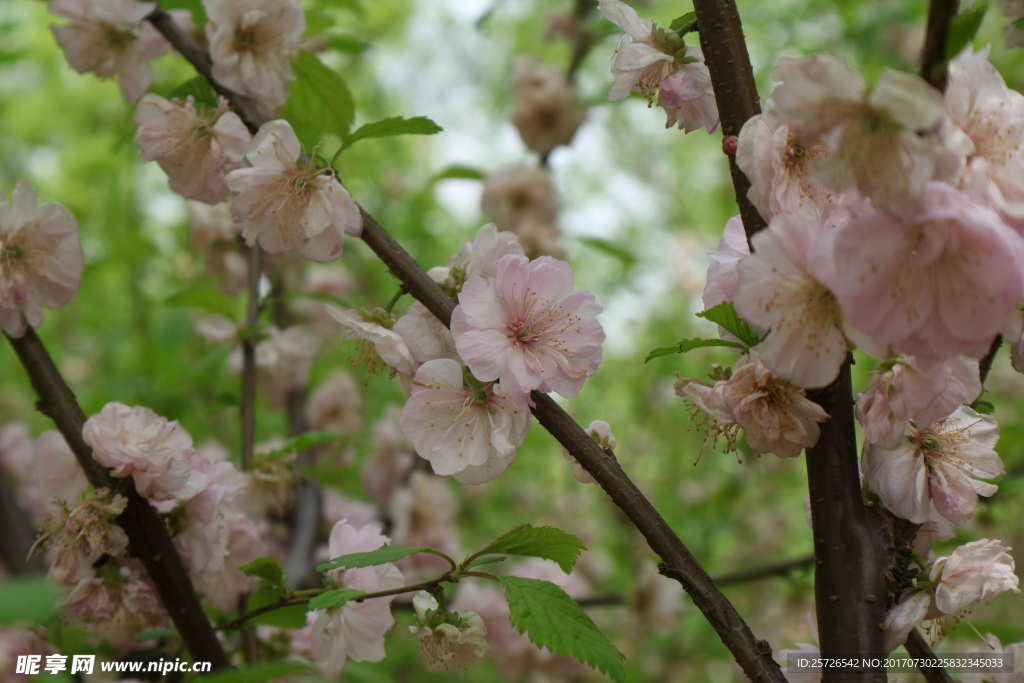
<point>252,44</point>
<point>41,259</point>
<point>548,112</point>
<point>196,149</point>
<point>112,38</point>
<point>687,96</point>
<point>425,336</point>
<point>449,640</point>
<point>285,206</point>
<point>940,464</point>
<point>723,278</point>
<point>217,238</point>
<point>943,283</point>
<point>156,453</point>
<point>528,328</point>
<point>975,571</point>
<point>375,329</point>
<point>15,642</point>
<point>903,618</point>
<point>640,61</point>
<point>390,460</point>
<point>775,416</point>
<point>522,199</point>
<point>778,168</point>
<point>469,432</point>
<point>872,139</point>
<point>424,511</point>
<point>903,391</point>
<point>283,360</point>
<point>993,646</point>
<point>601,432</point>
<point>336,404</point>
<point>355,631</point>
<point>477,258</point>
<point>778,290</point>
<point>119,605</point>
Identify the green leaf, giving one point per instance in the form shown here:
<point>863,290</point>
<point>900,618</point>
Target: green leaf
<point>261,673</point>
<point>984,408</point>
<point>207,300</point>
<point>199,89</point>
<point>193,6</point>
<point>386,553</point>
<point>725,314</point>
<point>266,568</point>
<point>319,98</point>
<point>155,634</point>
<point>335,598</point>
<point>610,248</point>
<point>963,29</point>
<point>685,23</point>
<point>1019,23</point>
<point>687,345</point>
<point>457,172</point>
<point>542,541</point>
<point>486,560</point>
<point>348,44</point>
<point>552,619</point>
<point>396,125</point>
<point>303,442</point>
<point>291,617</point>
<point>27,599</point>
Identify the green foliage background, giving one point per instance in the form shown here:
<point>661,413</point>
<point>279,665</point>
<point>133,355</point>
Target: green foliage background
<point>641,206</point>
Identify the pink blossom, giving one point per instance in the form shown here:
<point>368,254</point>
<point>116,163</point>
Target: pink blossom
<point>356,630</point>
<point>522,200</point>
<point>285,206</point>
<point>41,259</point>
<point>778,290</point>
<point>687,96</point>
<point>17,641</point>
<point>640,61</point>
<point>723,278</point>
<point>975,571</point>
<point>601,432</point>
<point>118,606</point>
<point>993,646</point>
<point>55,473</point>
<point>136,441</point>
<point>940,464</point>
<point>375,329</point>
<point>471,432</point>
<point>872,139</point>
<point>943,283</point>
<point>336,404</point>
<point>252,44</point>
<point>424,512</point>
<point>903,618</point>
<point>218,239</point>
<point>196,149</point>
<point>548,111</point>
<point>477,258</point>
<point>528,328</point>
<point>903,391</point>
<point>390,460</point>
<point>322,281</point>
<point>425,336</point>
<point>778,168</point>
<point>112,38</point>
<point>283,361</point>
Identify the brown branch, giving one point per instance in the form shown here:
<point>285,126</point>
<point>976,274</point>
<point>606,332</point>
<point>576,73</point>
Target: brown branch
<point>248,399</point>
<point>985,364</point>
<point>849,584</point>
<point>16,535</point>
<point>933,56</point>
<point>148,539</point>
<point>918,648</point>
<point>753,656</point>
<point>781,569</point>
<point>721,40</point>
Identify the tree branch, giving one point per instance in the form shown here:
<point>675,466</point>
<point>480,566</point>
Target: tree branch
<point>918,647</point>
<point>849,584</point>
<point>933,57</point>
<point>148,539</point>
<point>781,569</point>
<point>16,535</point>
<point>754,656</point>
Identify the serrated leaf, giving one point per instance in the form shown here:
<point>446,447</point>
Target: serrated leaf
<point>396,125</point>
<point>685,23</point>
<point>542,541</point>
<point>725,314</point>
<point>485,560</point>
<point>199,89</point>
<point>261,673</point>
<point>266,568</point>
<point>319,98</point>
<point>624,255</point>
<point>334,599</point>
<point>386,553</point>
<point>27,599</point>
<point>205,299</point>
<point>687,345</point>
<point>303,442</point>
<point>551,619</point>
<point>963,29</point>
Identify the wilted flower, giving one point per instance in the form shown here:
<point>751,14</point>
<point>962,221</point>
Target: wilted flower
<point>975,571</point>
<point>41,259</point>
<point>528,328</point>
<point>449,640</point>
<point>285,206</point>
<point>252,45</point>
<point>196,149</point>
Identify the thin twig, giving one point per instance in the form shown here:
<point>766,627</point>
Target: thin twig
<point>933,56</point>
<point>753,656</point>
<point>918,648</point>
<point>148,539</point>
<point>248,400</point>
<point>17,536</point>
<point>781,569</point>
